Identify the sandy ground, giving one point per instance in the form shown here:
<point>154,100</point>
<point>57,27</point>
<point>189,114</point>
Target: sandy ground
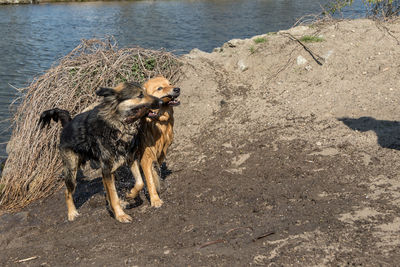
<point>276,161</point>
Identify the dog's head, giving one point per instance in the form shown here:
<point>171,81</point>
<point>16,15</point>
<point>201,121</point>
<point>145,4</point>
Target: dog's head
<point>161,88</point>
<point>129,101</point>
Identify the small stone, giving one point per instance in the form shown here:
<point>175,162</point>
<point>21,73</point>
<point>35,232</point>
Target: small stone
<point>328,54</point>
<point>301,60</point>
<point>242,66</point>
<point>308,68</point>
<point>166,252</point>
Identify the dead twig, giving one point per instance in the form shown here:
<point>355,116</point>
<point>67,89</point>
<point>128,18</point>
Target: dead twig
<point>239,228</point>
<point>212,243</point>
<point>379,24</point>
<point>27,259</point>
<point>315,56</point>
<point>263,235</point>
<point>282,68</point>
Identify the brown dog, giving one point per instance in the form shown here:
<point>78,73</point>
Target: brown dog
<point>156,136</point>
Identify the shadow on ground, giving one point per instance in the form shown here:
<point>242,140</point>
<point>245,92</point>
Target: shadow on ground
<point>388,132</point>
<point>124,182</point>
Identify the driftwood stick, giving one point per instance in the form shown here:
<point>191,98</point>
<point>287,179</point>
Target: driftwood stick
<point>315,56</point>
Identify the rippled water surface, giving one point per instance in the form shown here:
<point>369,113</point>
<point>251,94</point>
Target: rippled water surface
<point>33,37</point>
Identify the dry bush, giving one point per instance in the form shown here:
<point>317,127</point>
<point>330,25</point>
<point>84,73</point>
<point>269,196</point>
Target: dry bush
<point>33,166</point>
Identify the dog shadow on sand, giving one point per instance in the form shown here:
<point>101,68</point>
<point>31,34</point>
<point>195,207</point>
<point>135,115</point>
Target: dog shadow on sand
<point>388,132</point>
<point>124,181</point>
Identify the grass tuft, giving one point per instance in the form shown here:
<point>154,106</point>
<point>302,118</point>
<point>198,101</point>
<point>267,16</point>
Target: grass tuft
<point>311,39</point>
<point>260,40</point>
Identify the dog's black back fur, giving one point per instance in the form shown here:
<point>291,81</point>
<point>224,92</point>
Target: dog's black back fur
<point>93,138</point>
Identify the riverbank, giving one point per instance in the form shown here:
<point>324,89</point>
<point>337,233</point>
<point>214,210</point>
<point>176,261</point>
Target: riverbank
<point>277,160</point>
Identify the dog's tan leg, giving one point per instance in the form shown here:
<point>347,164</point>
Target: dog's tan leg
<point>113,200</point>
<point>156,176</point>
<point>147,167</point>
<point>138,180</point>
<point>72,212</point>
<point>70,182</point>
<point>71,164</point>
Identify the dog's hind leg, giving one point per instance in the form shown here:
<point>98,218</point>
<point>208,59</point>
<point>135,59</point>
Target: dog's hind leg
<point>71,164</point>
<point>138,180</point>
<point>147,167</point>
<point>112,197</point>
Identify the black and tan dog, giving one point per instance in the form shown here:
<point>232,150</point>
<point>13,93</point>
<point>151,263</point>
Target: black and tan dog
<point>106,134</point>
<point>156,136</point>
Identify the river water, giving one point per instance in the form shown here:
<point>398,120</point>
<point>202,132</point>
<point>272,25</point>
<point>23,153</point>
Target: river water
<point>33,37</point>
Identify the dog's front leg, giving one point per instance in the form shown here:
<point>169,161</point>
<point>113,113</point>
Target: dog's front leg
<point>138,180</point>
<point>147,167</point>
<point>112,197</point>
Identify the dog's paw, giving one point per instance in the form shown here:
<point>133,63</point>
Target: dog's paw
<point>124,218</point>
<point>72,215</point>
<point>156,203</point>
<point>132,194</point>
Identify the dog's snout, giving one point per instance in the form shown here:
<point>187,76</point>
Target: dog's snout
<point>177,90</point>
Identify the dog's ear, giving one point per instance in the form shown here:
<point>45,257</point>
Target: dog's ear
<point>104,91</point>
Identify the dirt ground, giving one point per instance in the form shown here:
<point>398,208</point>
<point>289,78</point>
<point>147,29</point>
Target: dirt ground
<point>277,161</point>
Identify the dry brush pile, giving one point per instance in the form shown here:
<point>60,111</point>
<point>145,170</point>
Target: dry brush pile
<point>32,169</point>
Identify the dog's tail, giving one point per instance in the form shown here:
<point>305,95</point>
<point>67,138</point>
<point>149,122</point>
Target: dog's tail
<point>55,114</point>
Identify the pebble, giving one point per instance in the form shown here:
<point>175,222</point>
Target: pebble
<point>301,60</point>
<point>242,66</point>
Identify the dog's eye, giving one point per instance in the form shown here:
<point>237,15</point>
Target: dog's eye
<point>159,88</point>
<point>141,95</point>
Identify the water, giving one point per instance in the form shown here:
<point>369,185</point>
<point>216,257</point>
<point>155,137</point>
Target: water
<point>33,37</point>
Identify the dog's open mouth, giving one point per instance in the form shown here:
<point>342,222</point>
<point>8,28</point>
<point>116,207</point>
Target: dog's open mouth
<point>171,100</point>
<point>174,102</point>
<point>152,114</point>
